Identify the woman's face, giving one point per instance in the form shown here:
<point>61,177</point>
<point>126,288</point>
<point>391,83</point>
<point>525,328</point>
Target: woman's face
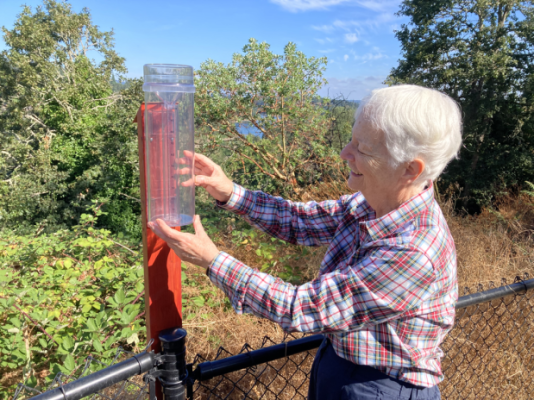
<point>371,174</point>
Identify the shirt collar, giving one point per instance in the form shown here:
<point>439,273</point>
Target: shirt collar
<point>387,224</point>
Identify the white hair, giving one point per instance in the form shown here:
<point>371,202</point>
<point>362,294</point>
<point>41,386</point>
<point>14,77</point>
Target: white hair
<point>417,123</point>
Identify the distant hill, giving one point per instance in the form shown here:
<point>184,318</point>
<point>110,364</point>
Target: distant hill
<point>346,103</point>
<point>117,86</point>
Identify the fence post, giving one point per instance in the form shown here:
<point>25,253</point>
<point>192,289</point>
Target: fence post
<point>174,371</point>
<point>162,267</point>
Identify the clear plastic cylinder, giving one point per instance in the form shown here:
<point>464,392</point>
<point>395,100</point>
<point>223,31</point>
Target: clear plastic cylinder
<point>169,149</point>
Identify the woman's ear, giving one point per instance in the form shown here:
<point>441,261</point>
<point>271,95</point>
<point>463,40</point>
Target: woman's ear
<point>413,170</point>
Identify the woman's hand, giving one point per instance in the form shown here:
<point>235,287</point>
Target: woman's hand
<point>197,249</point>
<point>211,177</point>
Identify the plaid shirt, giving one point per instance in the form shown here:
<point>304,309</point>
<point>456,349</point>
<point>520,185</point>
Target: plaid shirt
<point>386,289</point>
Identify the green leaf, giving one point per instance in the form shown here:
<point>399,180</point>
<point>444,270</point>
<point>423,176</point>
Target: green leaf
<point>133,339</point>
<point>69,363</point>
<point>198,301</point>
<point>16,322</point>
<point>127,318</point>
<point>108,343</point>
<point>97,345</point>
<point>68,343</point>
<point>190,316</point>
<point>91,324</point>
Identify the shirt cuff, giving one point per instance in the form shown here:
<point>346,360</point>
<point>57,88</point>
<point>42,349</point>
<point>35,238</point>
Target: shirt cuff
<point>231,276</point>
<point>241,201</point>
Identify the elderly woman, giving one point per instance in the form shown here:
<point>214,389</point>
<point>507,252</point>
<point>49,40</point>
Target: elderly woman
<point>386,290</point>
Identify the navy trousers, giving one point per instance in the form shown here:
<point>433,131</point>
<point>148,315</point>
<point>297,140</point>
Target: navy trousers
<point>334,378</point>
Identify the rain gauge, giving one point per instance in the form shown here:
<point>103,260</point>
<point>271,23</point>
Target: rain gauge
<point>169,148</point>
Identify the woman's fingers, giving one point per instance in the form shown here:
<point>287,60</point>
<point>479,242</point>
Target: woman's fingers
<point>197,225</point>
<point>189,154</point>
<point>206,174</point>
<point>198,249</point>
<point>160,227</point>
<point>186,171</point>
<point>203,160</point>
<point>202,165</point>
<point>188,183</point>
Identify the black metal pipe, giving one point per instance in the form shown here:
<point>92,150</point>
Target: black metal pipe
<point>102,379</point>
<point>210,369</point>
<point>493,294</point>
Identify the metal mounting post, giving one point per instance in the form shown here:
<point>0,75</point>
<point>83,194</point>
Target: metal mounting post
<point>170,365</point>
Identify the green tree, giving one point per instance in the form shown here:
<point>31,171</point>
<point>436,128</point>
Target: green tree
<point>64,135</point>
<point>480,52</point>
<point>341,113</point>
<point>275,96</point>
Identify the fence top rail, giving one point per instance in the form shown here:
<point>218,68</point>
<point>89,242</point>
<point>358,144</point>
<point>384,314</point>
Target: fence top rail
<point>493,294</point>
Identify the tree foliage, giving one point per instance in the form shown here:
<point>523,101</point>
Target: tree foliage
<point>480,52</point>
<point>341,113</point>
<point>66,136</point>
<point>276,97</point>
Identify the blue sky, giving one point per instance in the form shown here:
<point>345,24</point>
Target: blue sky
<point>357,36</point>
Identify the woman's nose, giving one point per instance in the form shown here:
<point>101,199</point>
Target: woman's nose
<point>346,155</point>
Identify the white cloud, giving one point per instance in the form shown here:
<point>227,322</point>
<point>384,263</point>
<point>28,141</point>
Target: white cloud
<point>345,57</point>
<point>377,55</point>
<point>351,38</point>
<point>351,88</point>
<point>373,23</point>
<point>379,5</point>
<point>326,51</point>
<point>325,40</point>
<point>342,24</point>
<point>305,5</point>
<point>323,28</point>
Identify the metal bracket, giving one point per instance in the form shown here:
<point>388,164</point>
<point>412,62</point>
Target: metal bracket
<point>169,366</point>
<point>169,386</point>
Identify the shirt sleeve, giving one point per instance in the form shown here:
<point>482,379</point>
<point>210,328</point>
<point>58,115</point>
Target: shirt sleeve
<point>308,224</point>
<point>382,287</point>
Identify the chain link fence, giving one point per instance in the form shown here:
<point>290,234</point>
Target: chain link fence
<point>133,388</point>
<point>285,378</point>
<point>488,355</point>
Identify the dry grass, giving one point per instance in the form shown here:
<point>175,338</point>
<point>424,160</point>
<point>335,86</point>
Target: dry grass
<point>489,352</point>
<point>495,244</point>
